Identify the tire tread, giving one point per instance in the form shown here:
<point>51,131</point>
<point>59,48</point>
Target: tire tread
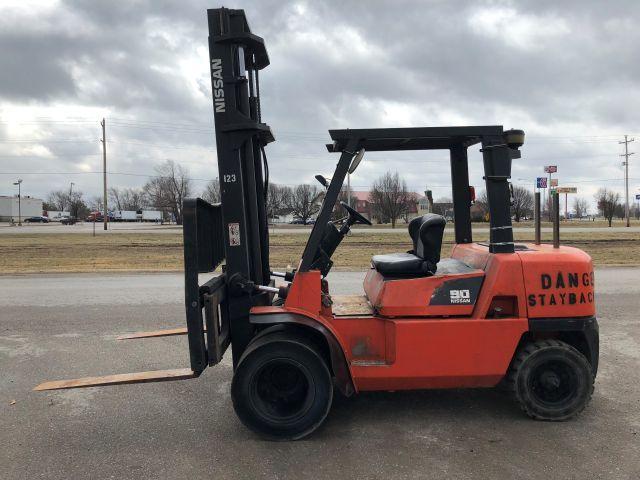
<point>519,359</point>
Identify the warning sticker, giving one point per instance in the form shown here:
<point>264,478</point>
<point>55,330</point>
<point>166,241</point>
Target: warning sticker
<point>234,234</point>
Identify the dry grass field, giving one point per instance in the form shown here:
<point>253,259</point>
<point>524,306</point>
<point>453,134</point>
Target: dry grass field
<point>60,252</point>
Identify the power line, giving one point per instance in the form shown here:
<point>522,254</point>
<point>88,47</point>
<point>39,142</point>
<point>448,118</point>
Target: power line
<point>209,124</point>
<point>49,141</point>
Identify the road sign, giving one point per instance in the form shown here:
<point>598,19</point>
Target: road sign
<point>541,182</point>
<point>567,189</point>
<point>551,169</point>
<point>637,196</point>
<point>554,182</point>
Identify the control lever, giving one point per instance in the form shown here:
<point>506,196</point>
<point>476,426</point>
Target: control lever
<point>238,283</point>
<point>288,276</point>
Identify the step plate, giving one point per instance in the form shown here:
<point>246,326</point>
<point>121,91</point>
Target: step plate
<point>120,379</point>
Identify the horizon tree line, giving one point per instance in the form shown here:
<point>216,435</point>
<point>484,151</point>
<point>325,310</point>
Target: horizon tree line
<point>389,197</point>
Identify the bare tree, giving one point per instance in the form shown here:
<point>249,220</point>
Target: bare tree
<point>619,212</point>
<point>212,191</point>
<point>96,203</point>
<point>59,200</point>
<point>114,198</point>
<point>581,206</point>
<point>480,209</point>
<point>77,206</point>
<point>303,202</point>
<point>339,212</point>
<point>389,197</point>
<point>169,188</point>
<point>522,202</point>
<point>607,201</point>
<point>278,197</point>
<point>127,198</point>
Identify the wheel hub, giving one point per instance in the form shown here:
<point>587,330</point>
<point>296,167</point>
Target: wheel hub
<point>550,380</point>
<point>282,390</point>
<point>553,383</point>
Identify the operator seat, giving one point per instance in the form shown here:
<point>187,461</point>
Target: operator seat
<point>426,233</point>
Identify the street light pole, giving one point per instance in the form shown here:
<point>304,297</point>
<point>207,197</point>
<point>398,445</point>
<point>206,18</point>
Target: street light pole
<point>19,183</point>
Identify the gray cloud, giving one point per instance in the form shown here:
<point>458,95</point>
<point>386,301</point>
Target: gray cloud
<point>564,70</point>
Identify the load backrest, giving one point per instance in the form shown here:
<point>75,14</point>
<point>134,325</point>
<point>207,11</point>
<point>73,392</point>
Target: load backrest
<point>426,233</point>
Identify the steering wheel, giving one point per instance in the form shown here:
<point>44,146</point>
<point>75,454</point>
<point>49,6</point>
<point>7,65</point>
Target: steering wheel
<point>357,218</point>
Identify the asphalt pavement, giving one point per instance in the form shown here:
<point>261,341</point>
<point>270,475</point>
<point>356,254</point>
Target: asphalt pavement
<point>64,326</point>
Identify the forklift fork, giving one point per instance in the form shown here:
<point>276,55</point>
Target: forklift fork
<point>120,379</point>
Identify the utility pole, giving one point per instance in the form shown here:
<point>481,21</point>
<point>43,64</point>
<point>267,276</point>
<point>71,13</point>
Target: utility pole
<point>73,214</point>
<point>19,183</point>
<point>348,189</point>
<point>104,173</point>
<point>626,156</point>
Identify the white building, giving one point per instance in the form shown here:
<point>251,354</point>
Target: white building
<point>29,207</point>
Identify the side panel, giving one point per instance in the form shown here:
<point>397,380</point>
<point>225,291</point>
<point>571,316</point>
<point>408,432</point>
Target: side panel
<point>451,295</point>
<point>442,353</point>
<point>503,279</point>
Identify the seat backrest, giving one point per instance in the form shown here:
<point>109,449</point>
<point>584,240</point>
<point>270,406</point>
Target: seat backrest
<point>414,230</point>
<point>426,233</point>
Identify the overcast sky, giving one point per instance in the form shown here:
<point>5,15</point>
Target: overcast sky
<point>568,73</point>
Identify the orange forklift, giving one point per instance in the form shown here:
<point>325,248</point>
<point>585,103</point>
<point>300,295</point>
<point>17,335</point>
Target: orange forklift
<point>522,315</point>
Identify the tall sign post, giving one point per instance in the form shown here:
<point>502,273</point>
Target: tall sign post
<point>550,169</point>
<point>566,191</point>
<point>536,216</point>
<point>541,183</point>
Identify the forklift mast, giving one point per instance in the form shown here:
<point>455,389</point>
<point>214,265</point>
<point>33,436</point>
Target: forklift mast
<point>235,230</point>
<point>236,56</point>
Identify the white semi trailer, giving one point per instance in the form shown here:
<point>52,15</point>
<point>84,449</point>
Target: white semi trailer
<point>151,216</point>
<point>126,215</point>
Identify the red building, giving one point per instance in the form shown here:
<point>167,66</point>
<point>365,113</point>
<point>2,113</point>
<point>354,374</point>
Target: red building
<point>366,208</point>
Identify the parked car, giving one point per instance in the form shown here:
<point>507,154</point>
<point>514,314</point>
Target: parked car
<point>37,219</point>
<point>68,221</point>
<point>296,221</point>
<point>97,217</point>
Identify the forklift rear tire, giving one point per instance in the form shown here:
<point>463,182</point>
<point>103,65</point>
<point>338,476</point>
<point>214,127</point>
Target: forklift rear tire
<point>282,388</point>
<point>551,380</point>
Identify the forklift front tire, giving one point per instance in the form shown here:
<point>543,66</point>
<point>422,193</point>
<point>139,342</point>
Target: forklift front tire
<point>550,380</point>
<point>282,388</point>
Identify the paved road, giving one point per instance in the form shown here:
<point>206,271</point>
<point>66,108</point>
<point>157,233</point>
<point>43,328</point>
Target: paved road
<point>86,228</point>
<point>64,326</point>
